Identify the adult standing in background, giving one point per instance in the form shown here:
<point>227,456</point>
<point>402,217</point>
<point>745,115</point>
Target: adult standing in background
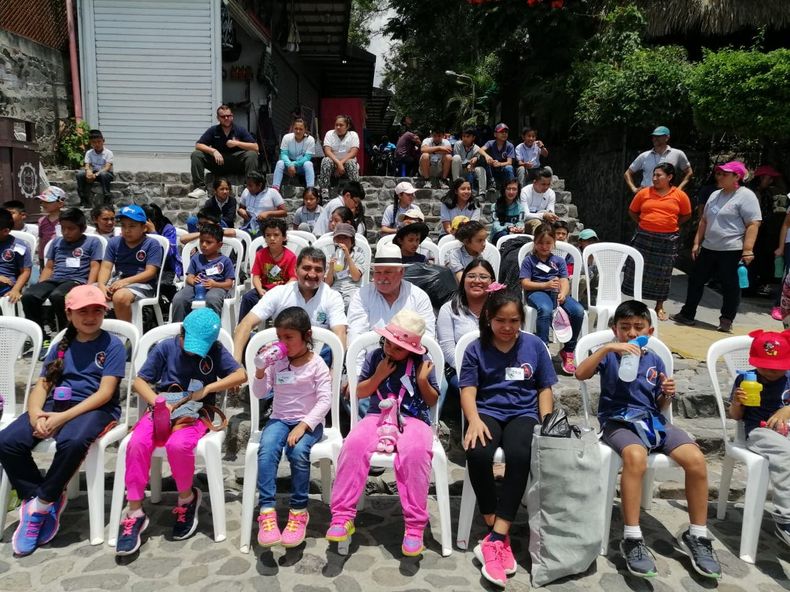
<point>296,151</point>
<point>725,238</point>
<point>341,146</point>
<point>646,162</point>
<point>407,152</point>
<point>658,212</point>
<point>224,149</point>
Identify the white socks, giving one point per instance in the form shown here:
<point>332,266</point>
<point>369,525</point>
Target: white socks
<point>39,506</point>
<point>698,531</point>
<point>632,532</point>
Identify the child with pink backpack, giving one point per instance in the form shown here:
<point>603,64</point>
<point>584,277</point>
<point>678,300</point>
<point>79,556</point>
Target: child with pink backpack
<point>402,388</point>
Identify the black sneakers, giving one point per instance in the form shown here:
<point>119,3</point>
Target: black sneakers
<point>186,517</point>
<point>679,317</point>
<point>700,550</point>
<point>129,535</point>
<point>638,558</point>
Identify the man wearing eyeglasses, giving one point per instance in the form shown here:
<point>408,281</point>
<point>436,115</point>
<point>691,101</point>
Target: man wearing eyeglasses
<point>223,149</point>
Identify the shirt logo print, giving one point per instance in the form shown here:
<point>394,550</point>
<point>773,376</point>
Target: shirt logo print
<point>100,358</point>
<point>140,256</point>
<point>77,252</point>
<point>651,375</point>
<point>528,371</point>
<point>8,255</point>
<point>206,365</point>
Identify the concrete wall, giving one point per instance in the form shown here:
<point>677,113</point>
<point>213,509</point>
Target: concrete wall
<point>34,83</point>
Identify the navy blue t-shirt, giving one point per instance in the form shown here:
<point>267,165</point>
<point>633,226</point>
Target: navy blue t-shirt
<point>129,262</point>
<point>86,363</point>
<point>216,138</point>
<point>72,261</point>
<point>14,257</point>
<point>641,394</point>
<point>498,397</point>
<point>168,364</point>
<point>774,396</point>
<point>218,269</point>
<point>412,405</point>
<point>532,268</point>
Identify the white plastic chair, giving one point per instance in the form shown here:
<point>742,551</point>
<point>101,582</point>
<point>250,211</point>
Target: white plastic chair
<point>734,352</point>
<point>14,332</point>
<point>561,249</point>
<point>324,452</point>
<point>490,254</point>
<point>326,244</point>
<point>610,258</point>
<point>208,450</point>
<point>503,239</point>
<point>610,460</point>
<point>379,459</point>
<point>443,240</point>
<point>94,459</point>
<point>230,305</point>
<point>140,303</point>
<point>15,310</point>
<point>309,237</point>
<point>466,513</point>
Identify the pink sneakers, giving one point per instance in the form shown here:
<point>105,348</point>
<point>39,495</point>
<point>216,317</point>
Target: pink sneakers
<point>567,362</point>
<point>776,313</point>
<point>268,532</point>
<point>508,559</point>
<point>493,556</point>
<point>294,532</point>
<point>340,532</point>
<point>412,542</point>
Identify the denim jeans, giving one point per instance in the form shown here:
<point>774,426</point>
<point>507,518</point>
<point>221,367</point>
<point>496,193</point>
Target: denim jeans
<point>306,169</point>
<point>545,303</point>
<point>273,442</point>
<point>502,174</point>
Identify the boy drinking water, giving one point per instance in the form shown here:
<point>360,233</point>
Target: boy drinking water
<point>624,408</point>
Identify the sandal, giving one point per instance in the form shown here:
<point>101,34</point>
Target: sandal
<point>662,315</point>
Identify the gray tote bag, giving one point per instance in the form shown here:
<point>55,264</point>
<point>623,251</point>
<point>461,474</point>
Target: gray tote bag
<point>564,497</point>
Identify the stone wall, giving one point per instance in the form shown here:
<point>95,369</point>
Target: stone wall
<point>34,86</point>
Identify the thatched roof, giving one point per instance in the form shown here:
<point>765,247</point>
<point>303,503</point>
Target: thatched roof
<point>713,17</point>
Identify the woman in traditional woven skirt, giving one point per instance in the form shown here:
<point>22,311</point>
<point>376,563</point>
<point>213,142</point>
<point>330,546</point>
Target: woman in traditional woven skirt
<point>658,212</point>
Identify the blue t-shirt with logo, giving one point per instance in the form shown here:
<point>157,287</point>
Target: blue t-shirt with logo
<point>131,261</point>
<point>86,363</point>
<point>412,404</point>
<point>72,261</point>
<point>501,393</point>
<point>218,269</point>
<point>14,257</point>
<point>168,364</point>
<point>641,394</point>
<point>774,396</point>
<point>532,268</point>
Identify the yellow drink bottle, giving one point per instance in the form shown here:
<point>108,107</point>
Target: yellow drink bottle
<point>752,388</point>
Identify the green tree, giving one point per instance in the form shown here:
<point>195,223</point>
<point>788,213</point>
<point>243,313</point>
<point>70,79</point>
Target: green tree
<point>363,12</point>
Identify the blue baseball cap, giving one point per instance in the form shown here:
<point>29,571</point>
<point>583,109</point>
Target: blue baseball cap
<point>201,329</point>
<point>661,130</point>
<point>133,212</point>
<point>587,234</point>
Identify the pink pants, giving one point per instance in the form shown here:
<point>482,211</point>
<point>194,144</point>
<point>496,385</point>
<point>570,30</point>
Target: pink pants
<point>412,470</point>
<point>180,449</point>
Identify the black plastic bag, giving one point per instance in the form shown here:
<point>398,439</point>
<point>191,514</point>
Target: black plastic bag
<point>437,281</point>
<point>508,266</point>
<point>556,425</point>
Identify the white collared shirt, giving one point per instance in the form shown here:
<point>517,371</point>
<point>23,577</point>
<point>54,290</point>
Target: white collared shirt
<point>534,204</point>
<point>368,310</point>
<point>325,308</point>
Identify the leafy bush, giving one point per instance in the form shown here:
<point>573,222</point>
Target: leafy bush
<point>73,142</point>
<point>743,92</point>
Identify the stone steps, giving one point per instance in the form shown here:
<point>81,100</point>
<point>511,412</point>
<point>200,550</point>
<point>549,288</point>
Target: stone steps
<point>169,191</point>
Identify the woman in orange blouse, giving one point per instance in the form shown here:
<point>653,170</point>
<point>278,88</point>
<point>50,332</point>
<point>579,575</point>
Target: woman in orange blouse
<point>658,212</point>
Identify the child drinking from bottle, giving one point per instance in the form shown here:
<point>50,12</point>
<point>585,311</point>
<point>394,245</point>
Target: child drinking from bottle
<point>302,395</point>
<point>766,424</point>
<point>630,417</point>
<point>90,362</point>
<point>195,364</point>
<point>505,380</point>
<point>544,277</point>
<point>346,262</point>
<point>399,370</point>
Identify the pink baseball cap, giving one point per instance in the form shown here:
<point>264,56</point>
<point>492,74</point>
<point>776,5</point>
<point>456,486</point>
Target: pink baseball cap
<point>734,166</point>
<point>84,296</point>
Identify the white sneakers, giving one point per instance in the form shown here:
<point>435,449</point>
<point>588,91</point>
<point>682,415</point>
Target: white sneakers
<point>198,193</point>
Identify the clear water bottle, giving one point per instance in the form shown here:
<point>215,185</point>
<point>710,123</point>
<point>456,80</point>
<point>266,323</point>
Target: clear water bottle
<point>629,364</point>
<point>62,398</point>
<point>743,276</point>
<point>340,259</point>
<point>200,296</point>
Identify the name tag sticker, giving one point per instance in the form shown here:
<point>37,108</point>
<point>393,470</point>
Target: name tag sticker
<point>543,267</point>
<point>21,249</point>
<point>714,210</point>
<point>72,261</point>
<point>341,275</point>
<point>406,382</point>
<point>274,271</point>
<point>213,270</point>
<point>285,377</point>
<point>514,373</point>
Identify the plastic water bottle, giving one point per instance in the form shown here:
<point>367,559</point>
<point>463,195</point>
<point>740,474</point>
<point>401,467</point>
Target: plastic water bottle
<point>752,388</point>
<point>743,276</point>
<point>779,267</point>
<point>200,296</point>
<point>62,398</point>
<point>340,259</point>
<point>629,365</point>
<point>274,353</point>
<point>161,419</point>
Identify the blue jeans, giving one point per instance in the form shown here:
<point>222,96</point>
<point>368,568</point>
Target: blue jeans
<point>502,174</point>
<point>545,303</point>
<point>306,168</point>
<point>273,442</point>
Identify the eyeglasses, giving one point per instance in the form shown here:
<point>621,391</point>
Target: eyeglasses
<point>226,116</point>
<point>483,277</point>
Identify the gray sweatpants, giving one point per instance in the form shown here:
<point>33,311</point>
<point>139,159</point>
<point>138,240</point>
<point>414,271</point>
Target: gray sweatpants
<point>776,448</point>
<point>182,301</point>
